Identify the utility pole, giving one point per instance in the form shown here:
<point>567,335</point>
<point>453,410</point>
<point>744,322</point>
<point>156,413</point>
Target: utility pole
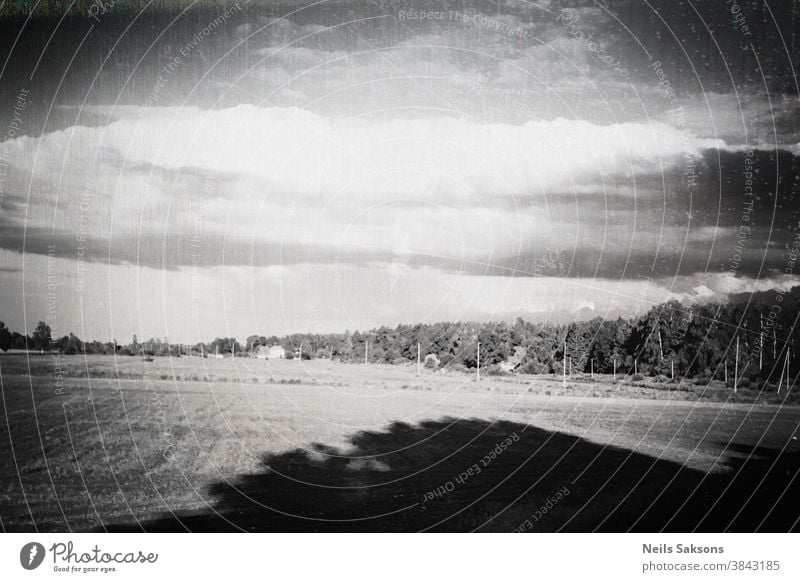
<point>615,369</point>
<point>419,353</point>
<point>300,352</point>
<point>564,376</point>
<point>736,369</point>
<point>786,367</point>
<point>774,341</point>
<point>760,340</point>
<point>635,366</point>
<point>478,373</point>
<point>726,371</point>
<point>591,368</point>
<point>366,352</point>
<point>672,367</point>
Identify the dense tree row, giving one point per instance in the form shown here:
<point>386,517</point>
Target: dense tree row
<point>684,340</point>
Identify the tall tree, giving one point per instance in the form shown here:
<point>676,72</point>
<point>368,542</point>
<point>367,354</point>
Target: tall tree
<point>41,336</point>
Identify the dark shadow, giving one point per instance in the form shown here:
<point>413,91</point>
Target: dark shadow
<point>390,488</point>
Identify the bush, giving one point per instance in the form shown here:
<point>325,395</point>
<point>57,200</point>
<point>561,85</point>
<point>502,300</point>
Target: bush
<point>743,383</point>
<point>661,379</point>
<point>432,361</point>
<point>495,370</point>
<point>701,381</point>
<point>637,378</point>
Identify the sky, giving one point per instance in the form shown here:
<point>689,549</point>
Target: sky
<point>286,167</point>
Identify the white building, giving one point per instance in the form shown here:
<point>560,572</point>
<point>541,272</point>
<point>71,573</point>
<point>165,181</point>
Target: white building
<point>270,352</point>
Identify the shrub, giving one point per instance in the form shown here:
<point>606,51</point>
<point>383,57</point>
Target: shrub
<point>743,383</point>
<point>701,381</point>
<point>432,361</point>
<point>637,378</point>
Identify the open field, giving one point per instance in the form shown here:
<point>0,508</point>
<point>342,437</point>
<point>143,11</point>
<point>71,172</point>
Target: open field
<point>205,444</point>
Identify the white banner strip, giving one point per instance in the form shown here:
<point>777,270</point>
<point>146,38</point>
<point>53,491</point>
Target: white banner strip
<point>370,557</point>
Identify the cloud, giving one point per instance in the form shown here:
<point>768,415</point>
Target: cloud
<point>453,187</point>
<point>104,301</point>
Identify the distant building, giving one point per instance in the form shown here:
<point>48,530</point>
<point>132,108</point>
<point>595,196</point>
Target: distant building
<point>270,353</point>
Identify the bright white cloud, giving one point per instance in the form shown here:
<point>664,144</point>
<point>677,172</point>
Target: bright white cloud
<point>454,187</point>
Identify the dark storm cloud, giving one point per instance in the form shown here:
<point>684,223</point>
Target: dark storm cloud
<point>741,215</point>
<point>120,57</point>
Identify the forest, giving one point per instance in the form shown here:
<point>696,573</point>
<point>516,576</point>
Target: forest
<point>750,336</point>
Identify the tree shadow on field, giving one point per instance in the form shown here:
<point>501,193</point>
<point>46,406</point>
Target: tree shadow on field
<point>411,478</point>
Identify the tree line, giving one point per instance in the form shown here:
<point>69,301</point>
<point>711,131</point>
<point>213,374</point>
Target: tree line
<point>669,340</point>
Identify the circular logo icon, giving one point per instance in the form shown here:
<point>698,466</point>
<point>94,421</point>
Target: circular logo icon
<point>31,555</point>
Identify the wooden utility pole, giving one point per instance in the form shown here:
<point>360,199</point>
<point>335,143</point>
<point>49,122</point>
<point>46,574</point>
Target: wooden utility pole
<point>564,366</point>
<point>591,368</point>
<point>726,372</point>
<point>615,369</point>
<point>635,366</point>
<point>202,350</point>
<point>760,340</point>
<point>672,367</point>
<point>366,352</point>
<point>300,352</point>
<point>478,372</point>
<point>736,368</point>
<point>419,354</point>
<point>786,368</point>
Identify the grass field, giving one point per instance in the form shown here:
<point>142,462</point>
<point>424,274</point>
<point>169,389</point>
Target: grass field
<point>203,444</point>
